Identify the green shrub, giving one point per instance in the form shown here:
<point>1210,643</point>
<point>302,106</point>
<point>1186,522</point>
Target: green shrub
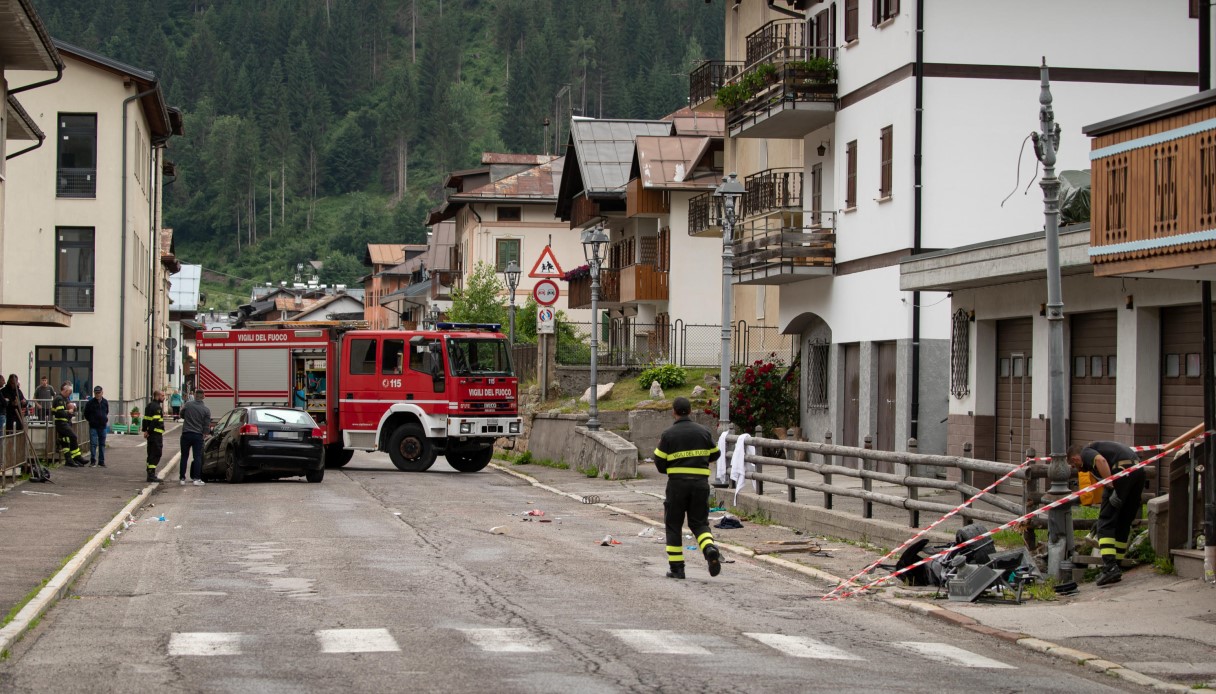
<point>668,376</point>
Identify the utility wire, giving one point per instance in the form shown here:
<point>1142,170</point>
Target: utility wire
<point>1018,182</point>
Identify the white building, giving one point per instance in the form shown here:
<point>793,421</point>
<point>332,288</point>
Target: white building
<point>875,146</point>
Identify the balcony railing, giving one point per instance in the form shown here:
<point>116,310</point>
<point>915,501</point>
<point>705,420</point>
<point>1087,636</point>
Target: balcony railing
<point>643,283</point>
<point>610,289</point>
<point>641,201</point>
<point>772,251</point>
<point>76,183</point>
<point>774,37</point>
<point>703,215</point>
<point>772,190</point>
<point>707,78</point>
<point>792,87</point>
<point>582,211</point>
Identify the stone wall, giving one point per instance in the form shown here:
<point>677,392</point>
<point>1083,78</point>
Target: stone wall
<point>646,426</point>
<point>552,436</point>
<point>606,452</point>
<point>573,380</point>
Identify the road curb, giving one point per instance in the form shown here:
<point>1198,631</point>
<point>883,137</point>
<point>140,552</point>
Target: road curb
<point>61,583</point>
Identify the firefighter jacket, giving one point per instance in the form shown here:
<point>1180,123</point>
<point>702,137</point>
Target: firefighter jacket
<point>685,450</point>
<point>59,410</point>
<point>154,419</point>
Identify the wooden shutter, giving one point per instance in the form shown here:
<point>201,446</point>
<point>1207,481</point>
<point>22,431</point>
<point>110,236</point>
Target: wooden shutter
<point>1193,10</point>
<point>823,24</point>
<point>884,186</point>
<point>832,26</point>
<point>851,174</point>
<point>850,20</point>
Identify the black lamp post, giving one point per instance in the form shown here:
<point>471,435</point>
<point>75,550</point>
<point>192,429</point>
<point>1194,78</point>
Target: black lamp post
<point>512,274</point>
<point>728,195</point>
<point>594,240</point>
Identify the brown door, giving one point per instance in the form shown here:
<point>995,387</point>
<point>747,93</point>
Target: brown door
<point>1091,409</point>
<point>885,436</point>
<point>852,395</point>
<point>1014,343</point>
<point>1181,370</point>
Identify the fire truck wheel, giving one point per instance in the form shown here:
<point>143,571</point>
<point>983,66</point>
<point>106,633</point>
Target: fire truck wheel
<point>470,462</point>
<point>336,455</point>
<point>233,473</point>
<point>410,449</point>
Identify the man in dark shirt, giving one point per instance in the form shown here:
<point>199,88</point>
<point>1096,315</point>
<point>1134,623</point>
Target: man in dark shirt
<point>1120,501</point>
<point>685,451</point>
<point>43,396</point>
<point>97,414</point>
<point>196,424</point>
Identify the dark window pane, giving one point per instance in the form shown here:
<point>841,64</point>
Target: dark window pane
<point>76,175</point>
<point>390,361</point>
<point>1173,365</point>
<point>1078,367</point>
<point>363,357</point>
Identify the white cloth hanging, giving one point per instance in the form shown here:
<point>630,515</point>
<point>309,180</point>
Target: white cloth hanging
<point>720,476</point>
<point>739,466</point>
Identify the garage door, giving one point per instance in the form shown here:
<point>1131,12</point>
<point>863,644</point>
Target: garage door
<point>1181,370</point>
<point>1014,342</point>
<point>1091,410</point>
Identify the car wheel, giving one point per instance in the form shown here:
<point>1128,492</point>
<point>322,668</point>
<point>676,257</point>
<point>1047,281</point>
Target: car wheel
<point>470,462</point>
<point>315,476</point>
<point>410,449</point>
<point>233,473</point>
<point>336,455</point>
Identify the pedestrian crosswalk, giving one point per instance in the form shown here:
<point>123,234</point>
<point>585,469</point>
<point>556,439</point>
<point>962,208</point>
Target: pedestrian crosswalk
<point>517,640</point>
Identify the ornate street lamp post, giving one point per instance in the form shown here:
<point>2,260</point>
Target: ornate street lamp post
<point>594,240</point>
<point>512,274</point>
<point>728,195</point>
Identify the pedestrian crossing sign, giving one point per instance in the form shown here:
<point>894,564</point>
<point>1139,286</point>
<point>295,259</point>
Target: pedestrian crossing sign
<point>546,266</point>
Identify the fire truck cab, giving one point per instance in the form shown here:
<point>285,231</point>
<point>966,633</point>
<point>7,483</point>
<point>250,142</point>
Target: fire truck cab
<point>414,394</point>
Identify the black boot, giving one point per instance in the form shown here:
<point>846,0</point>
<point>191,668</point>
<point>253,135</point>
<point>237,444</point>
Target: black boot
<point>1111,573</point>
<point>152,475</point>
<point>676,571</point>
<point>714,557</point>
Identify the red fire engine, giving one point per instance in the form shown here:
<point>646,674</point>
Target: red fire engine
<point>415,394</point>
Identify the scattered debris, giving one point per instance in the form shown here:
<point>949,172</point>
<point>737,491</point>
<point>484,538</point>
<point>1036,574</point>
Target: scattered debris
<point>609,541</point>
<point>692,547</point>
<point>535,512</point>
<point>498,530</point>
<point>648,532</point>
<point>590,499</point>
<point>728,522</point>
<point>715,509</point>
<point>39,493</point>
<point>792,546</point>
<point>546,520</point>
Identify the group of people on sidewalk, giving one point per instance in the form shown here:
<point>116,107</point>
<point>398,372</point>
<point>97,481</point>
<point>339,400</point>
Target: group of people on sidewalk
<point>196,423</point>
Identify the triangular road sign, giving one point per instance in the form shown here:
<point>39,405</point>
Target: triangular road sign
<point>546,266</point>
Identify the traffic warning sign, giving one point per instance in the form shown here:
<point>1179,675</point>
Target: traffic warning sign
<point>546,266</point>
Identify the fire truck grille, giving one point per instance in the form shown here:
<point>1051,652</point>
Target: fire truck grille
<point>491,406</point>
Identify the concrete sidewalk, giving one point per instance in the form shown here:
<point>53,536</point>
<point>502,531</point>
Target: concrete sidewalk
<point>43,525</point>
<point>1149,629</point>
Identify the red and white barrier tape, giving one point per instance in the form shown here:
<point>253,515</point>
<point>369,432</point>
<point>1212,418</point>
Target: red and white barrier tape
<point>1038,511</point>
<point>931,526</point>
<point>1141,449</point>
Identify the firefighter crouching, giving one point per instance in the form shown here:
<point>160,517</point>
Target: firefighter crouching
<point>154,431</point>
<point>61,410</point>
<point>685,451</point>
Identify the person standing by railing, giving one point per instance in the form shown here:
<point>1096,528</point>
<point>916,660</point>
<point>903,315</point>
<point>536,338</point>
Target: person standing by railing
<point>13,400</point>
<point>97,414</point>
<point>62,408</point>
<point>43,395</point>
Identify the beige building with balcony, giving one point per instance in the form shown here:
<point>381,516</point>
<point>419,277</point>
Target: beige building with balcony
<point>86,237</point>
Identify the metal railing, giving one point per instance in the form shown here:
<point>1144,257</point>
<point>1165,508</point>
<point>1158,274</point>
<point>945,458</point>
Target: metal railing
<point>773,37</point>
<point>704,214</point>
<point>76,183</point>
<point>628,343</point>
<point>36,441</point>
<point>772,190</point>
<point>707,78</point>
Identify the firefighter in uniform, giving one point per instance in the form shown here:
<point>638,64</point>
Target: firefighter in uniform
<point>154,431</point>
<point>61,410</point>
<point>685,451</point>
<point>1120,500</point>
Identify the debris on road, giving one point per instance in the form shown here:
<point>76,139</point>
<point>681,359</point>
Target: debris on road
<point>535,512</point>
<point>784,546</point>
<point>728,522</point>
<point>590,499</point>
<point>498,530</point>
<point>608,541</point>
<point>648,532</point>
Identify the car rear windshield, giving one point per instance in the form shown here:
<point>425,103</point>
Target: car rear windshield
<point>479,357</point>
<point>283,417</point>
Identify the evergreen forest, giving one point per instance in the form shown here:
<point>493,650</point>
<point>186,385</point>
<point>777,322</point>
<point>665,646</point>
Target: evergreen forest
<point>314,127</point>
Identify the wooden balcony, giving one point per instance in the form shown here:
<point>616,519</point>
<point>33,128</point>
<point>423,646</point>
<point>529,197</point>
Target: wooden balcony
<point>1153,202</point>
<point>583,211</point>
<point>784,249</point>
<point>610,290</point>
<point>706,79</point>
<point>640,283</point>
<point>641,202</point>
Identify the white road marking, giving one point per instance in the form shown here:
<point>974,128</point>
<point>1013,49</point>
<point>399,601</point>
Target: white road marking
<point>951,655</point>
<point>205,643</point>
<point>357,641</point>
<point>655,641</point>
<point>802,647</point>
<point>506,640</point>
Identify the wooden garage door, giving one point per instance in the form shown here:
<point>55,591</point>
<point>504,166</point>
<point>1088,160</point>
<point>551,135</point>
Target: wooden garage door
<point>1014,343</point>
<point>1181,370</point>
<point>1091,409</point>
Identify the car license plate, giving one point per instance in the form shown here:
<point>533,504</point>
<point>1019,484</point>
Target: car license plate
<point>288,435</point>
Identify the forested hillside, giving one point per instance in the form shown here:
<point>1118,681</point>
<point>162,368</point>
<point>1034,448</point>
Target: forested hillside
<point>314,127</point>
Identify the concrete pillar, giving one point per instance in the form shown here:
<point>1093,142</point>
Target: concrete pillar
<point>867,415</point>
<point>1137,382</point>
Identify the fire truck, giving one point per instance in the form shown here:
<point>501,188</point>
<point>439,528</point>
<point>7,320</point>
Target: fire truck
<point>414,394</point>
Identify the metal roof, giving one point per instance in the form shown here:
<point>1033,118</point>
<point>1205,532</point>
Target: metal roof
<point>1152,113</point>
<point>674,163</point>
<point>385,253</point>
<point>507,158</point>
<point>604,150</point>
<point>538,182</point>
<point>689,122</point>
<point>24,41</point>
<point>19,124</point>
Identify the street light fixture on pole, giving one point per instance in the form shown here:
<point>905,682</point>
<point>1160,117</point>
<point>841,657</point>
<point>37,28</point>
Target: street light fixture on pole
<point>594,239</point>
<point>512,274</point>
<point>728,195</point>
<point>1059,519</point>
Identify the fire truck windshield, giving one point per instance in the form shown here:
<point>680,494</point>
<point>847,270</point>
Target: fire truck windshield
<point>479,357</point>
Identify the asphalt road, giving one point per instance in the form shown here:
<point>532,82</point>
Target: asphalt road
<point>376,580</point>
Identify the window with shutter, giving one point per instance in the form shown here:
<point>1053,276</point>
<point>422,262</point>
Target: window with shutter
<point>850,199</point>
<point>816,192</point>
<point>850,20</point>
<point>884,186</point>
<point>884,10</point>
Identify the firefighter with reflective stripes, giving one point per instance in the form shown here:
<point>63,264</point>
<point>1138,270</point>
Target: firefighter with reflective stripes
<point>1120,500</point>
<point>154,431</point>
<point>62,408</point>
<point>685,452</point>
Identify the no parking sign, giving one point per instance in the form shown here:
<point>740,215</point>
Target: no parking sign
<point>546,322</point>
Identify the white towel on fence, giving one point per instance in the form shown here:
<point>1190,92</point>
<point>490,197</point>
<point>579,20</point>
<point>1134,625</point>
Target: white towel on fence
<point>720,477</point>
<point>738,466</point>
